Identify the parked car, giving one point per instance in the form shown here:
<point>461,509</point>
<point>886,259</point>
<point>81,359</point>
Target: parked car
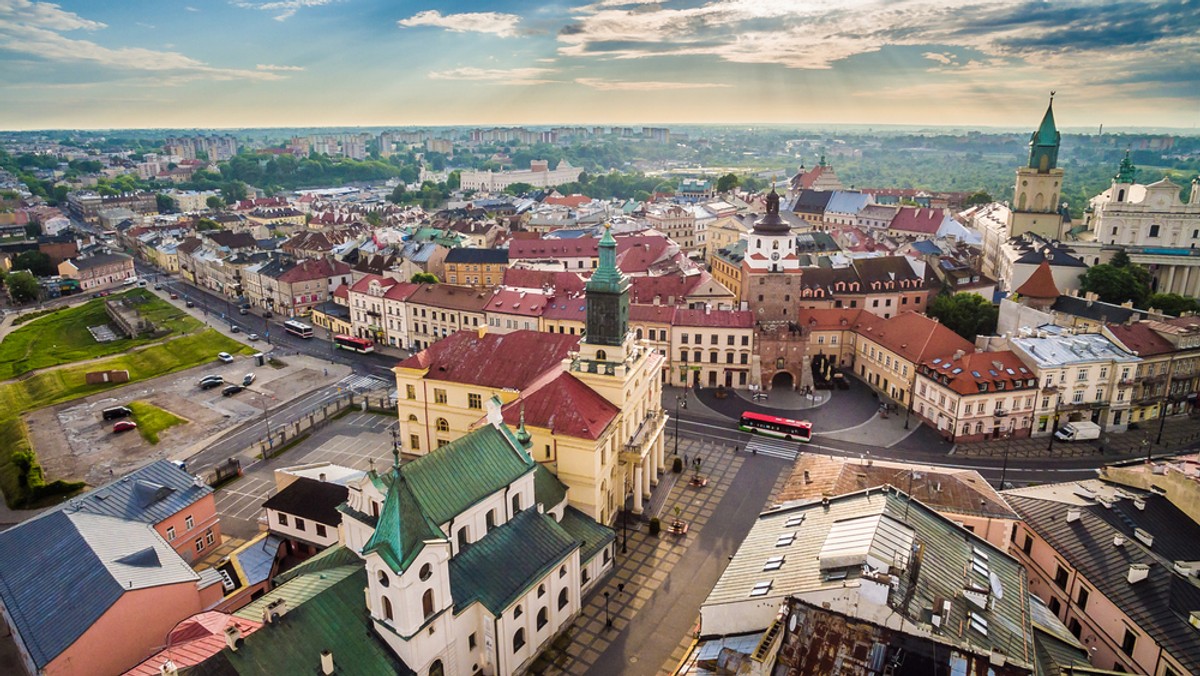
<point>248,379</point>
<point>267,314</point>
<point>253,336</point>
<point>243,311</point>
<point>213,377</point>
<point>234,328</point>
<point>190,304</point>
<point>231,390</point>
<point>124,426</point>
<point>209,384</point>
<point>225,357</point>
<point>115,412</point>
<point>141,282</point>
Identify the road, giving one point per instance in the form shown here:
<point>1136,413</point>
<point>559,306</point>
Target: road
<point>1020,470</point>
<point>219,308</point>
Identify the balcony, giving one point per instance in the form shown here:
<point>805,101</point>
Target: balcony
<point>643,437</point>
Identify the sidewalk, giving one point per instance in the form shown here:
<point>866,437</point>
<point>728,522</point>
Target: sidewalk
<point>1179,433</point>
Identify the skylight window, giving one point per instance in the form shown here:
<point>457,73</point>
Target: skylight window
<point>762,588</point>
<point>785,540</point>
<point>794,521</point>
<point>976,374</point>
<point>774,563</point>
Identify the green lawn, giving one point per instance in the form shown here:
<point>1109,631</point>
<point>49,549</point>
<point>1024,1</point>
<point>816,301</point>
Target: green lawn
<point>151,420</point>
<point>58,385</point>
<point>63,337</point>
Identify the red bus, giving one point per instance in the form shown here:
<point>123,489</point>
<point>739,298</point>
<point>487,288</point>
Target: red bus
<point>360,345</point>
<point>786,428</point>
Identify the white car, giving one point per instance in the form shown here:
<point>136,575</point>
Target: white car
<point>225,357</point>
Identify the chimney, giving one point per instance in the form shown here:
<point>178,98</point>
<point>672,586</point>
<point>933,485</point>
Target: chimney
<point>327,663</point>
<point>274,610</point>
<point>1073,514</point>
<point>1118,540</point>
<point>1138,572</point>
<point>1143,536</point>
<point>482,331</point>
<point>168,668</point>
<point>233,634</point>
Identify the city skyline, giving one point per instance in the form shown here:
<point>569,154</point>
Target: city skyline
<point>311,63</point>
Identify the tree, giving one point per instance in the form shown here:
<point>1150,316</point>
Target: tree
<point>978,197</point>
<point>1173,304</point>
<point>22,286</point>
<point>33,230</point>
<point>373,218</point>
<point>518,188</point>
<point>454,180</point>
<point>166,204</point>
<point>397,196</point>
<point>1120,259</point>
<point>727,182</point>
<point>967,314</point>
<point>205,224</point>
<point>233,192</point>
<point>424,278</point>
<point>34,261</point>
<point>215,203</point>
<point>1116,285</point>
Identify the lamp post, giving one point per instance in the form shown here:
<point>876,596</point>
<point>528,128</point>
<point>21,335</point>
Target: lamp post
<point>1162,411</point>
<point>679,398</point>
<point>608,623</point>
<point>1146,446</point>
<point>624,531</point>
<point>1012,431</point>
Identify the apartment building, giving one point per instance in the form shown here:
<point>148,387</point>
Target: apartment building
<point>1082,377</point>
<point>890,351</point>
<point>712,348</point>
<point>976,396</point>
<point>475,267</point>
<point>438,310</point>
<point>676,222</point>
<point>98,271</point>
<point>1168,378</point>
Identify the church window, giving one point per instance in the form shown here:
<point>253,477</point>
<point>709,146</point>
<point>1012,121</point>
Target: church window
<point>437,668</point>
<point>518,640</point>
<point>516,503</point>
<point>427,603</point>
<point>601,355</point>
<point>542,618</point>
<point>384,580</point>
<point>426,572</point>
<point>387,608</point>
<point>1121,195</point>
<point>563,599</point>
<point>541,590</point>
<point>443,425</point>
<point>491,520</point>
<point>1153,231</point>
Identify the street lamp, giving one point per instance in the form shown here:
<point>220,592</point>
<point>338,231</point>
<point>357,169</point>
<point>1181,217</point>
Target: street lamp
<point>608,616</point>
<point>679,398</point>
<point>1012,431</point>
<point>624,531</point>
<point>1146,446</point>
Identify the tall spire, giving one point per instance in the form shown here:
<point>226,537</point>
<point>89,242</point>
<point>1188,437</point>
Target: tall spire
<point>607,297</point>
<point>523,434</point>
<point>1043,143</point>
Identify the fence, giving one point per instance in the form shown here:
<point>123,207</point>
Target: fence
<point>318,417</point>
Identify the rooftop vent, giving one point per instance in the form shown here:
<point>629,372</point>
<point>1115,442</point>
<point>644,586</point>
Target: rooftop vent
<point>233,634</point>
<point>327,663</point>
<point>1073,514</point>
<point>274,610</point>
<point>1118,540</point>
<point>1138,572</point>
<point>1143,537</point>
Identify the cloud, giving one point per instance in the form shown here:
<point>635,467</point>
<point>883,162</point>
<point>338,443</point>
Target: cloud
<point>191,9</point>
<point>36,29</point>
<point>286,8</point>
<point>641,86</point>
<point>1062,39</point>
<point>496,23</point>
<point>500,76</point>
<point>273,68</point>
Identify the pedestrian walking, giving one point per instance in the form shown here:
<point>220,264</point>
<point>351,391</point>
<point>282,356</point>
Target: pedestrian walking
<point>685,460</point>
<point>326,371</point>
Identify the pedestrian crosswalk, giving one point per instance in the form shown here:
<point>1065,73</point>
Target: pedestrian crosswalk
<point>775,448</point>
<point>359,383</point>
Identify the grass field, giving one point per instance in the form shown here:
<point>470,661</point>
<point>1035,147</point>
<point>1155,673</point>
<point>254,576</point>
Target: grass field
<point>55,386</point>
<point>151,420</point>
<point>63,337</point>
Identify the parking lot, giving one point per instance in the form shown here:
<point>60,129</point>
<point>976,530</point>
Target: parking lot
<point>74,442</point>
<point>355,441</point>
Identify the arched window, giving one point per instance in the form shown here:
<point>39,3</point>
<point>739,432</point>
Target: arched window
<point>563,599</point>
<point>412,417</point>
<point>601,355</point>
<point>638,334</point>
<point>541,590</point>
<point>542,618</point>
<point>516,503</point>
<point>436,669</point>
<point>427,603</point>
<point>443,425</point>
<point>518,640</point>
<point>384,580</point>
<point>387,608</point>
<point>1154,231</point>
<point>463,540</point>
<point>1121,195</point>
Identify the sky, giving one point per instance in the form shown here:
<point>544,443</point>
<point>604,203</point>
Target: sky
<point>91,64</point>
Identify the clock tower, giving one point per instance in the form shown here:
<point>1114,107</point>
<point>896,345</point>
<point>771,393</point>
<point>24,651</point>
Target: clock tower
<point>771,290</point>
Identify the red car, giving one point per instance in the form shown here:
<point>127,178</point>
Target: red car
<point>124,426</point>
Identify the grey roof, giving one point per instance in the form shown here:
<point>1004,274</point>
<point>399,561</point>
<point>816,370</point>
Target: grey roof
<point>97,260</point>
<point>310,499</point>
<point>1160,604</point>
<point>592,536</point>
<point>1051,347</point>
<point>80,561</point>
<point>932,568</point>
<point>1095,310</point>
<point>472,255</point>
<point>847,202</point>
<point>150,494</point>
<point>811,202</point>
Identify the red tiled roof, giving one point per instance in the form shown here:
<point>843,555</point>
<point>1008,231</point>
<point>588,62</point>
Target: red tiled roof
<point>565,406</point>
<point>580,247</point>
<point>343,291</point>
<point>1141,339</point>
<point>401,291</point>
<point>450,297</point>
<point>1040,284</point>
<point>665,287</point>
<point>363,284</point>
<point>193,641</point>
<point>573,201</point>
<point>562,281</point>
<point>661,314</point>
<point>991,367</point>
<point>916,337</point>
<point>566,309</point>
<point>916,219</point>
<point>832,319</point>
<point>310,269</point>
<point>513,360</point>
<point>806,179</point>
<point>512,302</point>
<point>735,319</point>
<point>639,253</point>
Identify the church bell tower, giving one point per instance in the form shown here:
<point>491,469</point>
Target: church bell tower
<point>1035,206</point>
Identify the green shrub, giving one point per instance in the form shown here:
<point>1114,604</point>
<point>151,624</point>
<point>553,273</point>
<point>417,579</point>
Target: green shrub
<point>655,526</point>
<point>677,466</point>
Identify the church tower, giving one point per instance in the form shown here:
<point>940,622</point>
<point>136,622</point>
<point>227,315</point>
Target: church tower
<point>771,290</point>
<point>1124,180</point>
<point>772,247</point>
<point>1035,206</point>
<point>607,306</point>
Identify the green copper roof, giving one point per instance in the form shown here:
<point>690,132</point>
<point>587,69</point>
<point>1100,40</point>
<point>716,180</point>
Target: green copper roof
<point>1043,143</point>
<point>607,278</point>
<point>452,478</point>
<point>403,528</point>
<point>592,536</point>
<point>325,612</point>
<point>547,489</point>
<point>506,562</point>
<point>1127,173</point>
<point>1047,133</point>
